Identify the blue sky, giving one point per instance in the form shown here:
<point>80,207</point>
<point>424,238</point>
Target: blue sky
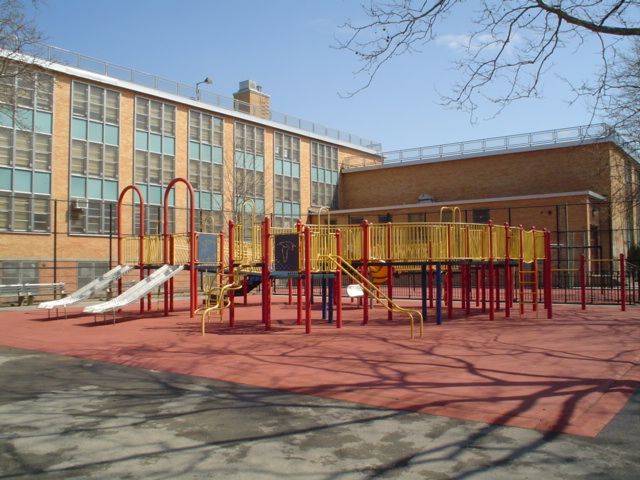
<point>286,45</point>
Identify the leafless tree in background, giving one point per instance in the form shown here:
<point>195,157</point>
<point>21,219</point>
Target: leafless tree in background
<point>510,50</point>
<point>18,35</point>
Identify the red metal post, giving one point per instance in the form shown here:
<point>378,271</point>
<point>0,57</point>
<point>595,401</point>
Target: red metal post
<point>365,270</point>
<point>338,289</point>
<point>172,259</point>
<point>491,273</point>
<point>534,285</point>
<point>231,268</point>
<point>299,281</point>
<point>266,276</point>
<point>507,271</point>
<point>549,280</point>
<point>477,286</point>
<point>623,287</point>
<point>192,241</point>
<point>141,236</point>
<point>307,278</point>
<point>389,270</point>
<point>583,283</point>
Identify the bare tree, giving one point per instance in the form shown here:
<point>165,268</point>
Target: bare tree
<point>511,48</point>
<point>18,36</point>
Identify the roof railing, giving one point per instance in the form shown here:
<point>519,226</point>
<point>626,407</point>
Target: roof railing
<point>73,59</point>
<point>435,153</point>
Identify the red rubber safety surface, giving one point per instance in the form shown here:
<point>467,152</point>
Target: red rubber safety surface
<point>571,374</point>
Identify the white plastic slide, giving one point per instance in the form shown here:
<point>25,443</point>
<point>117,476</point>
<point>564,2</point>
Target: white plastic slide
<point>97,285</point>
<point>138,291</point>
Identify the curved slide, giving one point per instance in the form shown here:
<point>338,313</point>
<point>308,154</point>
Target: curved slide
<point>97,285</point>
<point>138,291</point>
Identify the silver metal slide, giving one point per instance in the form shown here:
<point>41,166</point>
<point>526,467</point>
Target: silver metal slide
<point>137,291</point>
<point>95,286</point>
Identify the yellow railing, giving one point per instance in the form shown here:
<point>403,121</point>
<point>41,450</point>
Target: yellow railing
<point>153,250</point>
<point>409,242</point>
<point>375,292</point>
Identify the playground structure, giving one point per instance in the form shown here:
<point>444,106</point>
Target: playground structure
<point>369,255</point>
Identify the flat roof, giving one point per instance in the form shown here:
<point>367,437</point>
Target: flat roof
<point>580,193</point>
<point>55,61</point>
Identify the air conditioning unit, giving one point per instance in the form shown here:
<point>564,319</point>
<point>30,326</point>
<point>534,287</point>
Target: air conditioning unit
<point>425,198</point>
<point>80,204</point>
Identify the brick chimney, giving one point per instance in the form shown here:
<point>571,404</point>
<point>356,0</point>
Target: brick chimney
<point>251,99</point>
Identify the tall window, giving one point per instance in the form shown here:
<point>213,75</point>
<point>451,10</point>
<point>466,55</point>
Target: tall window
<point>324,175</point>
<point>26,126</point>
<point>154,163</point>
<point>206,169</point>
<point>286,157</point>
<point>95,140</point>
<point>249,165</point>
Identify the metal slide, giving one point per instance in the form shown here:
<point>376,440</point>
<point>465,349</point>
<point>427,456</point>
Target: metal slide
<point>97,285</point>
<point>136,292</point>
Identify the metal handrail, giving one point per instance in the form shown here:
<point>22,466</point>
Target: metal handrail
<point>494,144</point>
<point>62,56</point>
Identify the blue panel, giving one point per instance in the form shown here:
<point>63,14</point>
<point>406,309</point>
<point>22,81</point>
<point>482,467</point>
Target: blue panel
<point>260,205</point>
<point>22,181</point>
<point>169,145</point>
<point>24,119</point>
<point>197,197</point>
<point>42,183</point>
<point>321,175</point>
<point>334,178</point>
<point>5,179</point>
<point>94,188</point>
<point>44,122</point>
<point>110,190</point>
<point>279,208</point>
<point>205,153</point>
<point>249,161</point>
<point>287,209</point>
<point>172,197</point>
<point>78,187</point>
<point>207,247</point>
<point>205,200</point>
<point>95,132</point>
<point>295,211</point>
<point>295,170</point>
<point>259,163</point>
<point>79,129</point>
<point>143,189</point>
<point>194,151</point>
<point>155,143</point>
<point>240,159</point>
<point>155,195</point>
<point>278,167</point>
<point>142,141</point>
<point>111,135</point>
<point>314,174</point>
<point>286,168</point>
<point>6,117</point>
<point>217,201</point>
<point>217,155</point>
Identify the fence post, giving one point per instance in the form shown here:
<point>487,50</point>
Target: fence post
<point>623,293</point>
<point>583,283</point>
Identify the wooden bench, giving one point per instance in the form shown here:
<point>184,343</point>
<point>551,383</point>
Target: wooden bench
<point>24,293</point>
